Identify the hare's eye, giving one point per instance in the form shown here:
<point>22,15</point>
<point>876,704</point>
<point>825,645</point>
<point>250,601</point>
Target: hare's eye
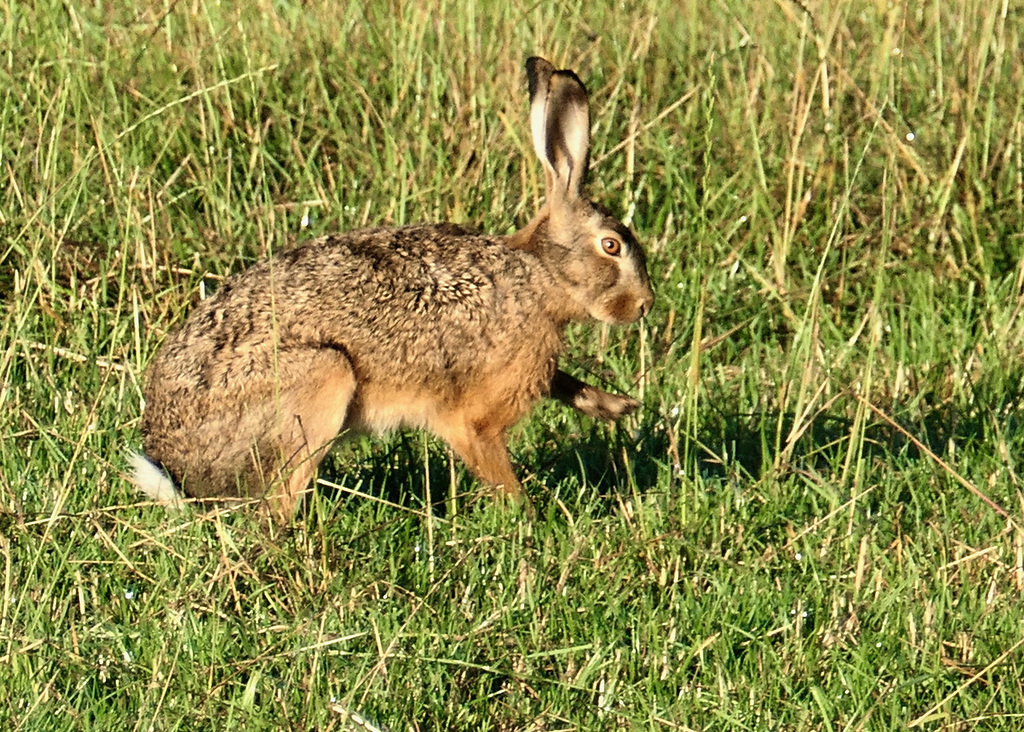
<point>611,246</point>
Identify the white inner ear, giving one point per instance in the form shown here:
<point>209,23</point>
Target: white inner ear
<point>577,137</point>
<point>538,126</point>
<point>568,132</point>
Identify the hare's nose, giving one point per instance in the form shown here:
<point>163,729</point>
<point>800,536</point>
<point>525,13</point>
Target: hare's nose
<point>646,303</point>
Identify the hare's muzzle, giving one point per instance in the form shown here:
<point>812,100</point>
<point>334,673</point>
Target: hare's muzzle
<point>626,307</point>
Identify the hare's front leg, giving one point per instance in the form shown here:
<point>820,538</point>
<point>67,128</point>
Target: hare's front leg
<point>482,446</point>
<point>590,400</point>
<point>310,413</point>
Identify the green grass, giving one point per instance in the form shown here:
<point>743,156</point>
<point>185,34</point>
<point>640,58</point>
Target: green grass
<point>790,534</point>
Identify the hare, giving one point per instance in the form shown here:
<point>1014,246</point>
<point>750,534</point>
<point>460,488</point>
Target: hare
<point>428,326</point>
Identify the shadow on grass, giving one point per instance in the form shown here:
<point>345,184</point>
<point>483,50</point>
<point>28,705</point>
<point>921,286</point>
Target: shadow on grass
<point>753,444</point>
<point>403,469</point>
<point>592,459</point>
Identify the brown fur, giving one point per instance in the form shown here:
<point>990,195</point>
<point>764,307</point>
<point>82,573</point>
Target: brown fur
<point>428,326</point>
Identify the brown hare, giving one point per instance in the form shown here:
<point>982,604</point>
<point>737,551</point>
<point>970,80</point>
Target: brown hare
<point>429,326</point>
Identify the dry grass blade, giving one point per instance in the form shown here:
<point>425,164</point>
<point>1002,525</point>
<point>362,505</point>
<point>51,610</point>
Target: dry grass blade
<point>946,467</point>
<point>927,716</point>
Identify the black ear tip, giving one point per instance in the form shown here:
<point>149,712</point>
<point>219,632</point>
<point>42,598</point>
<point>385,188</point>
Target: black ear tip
<point>572,75</point>
<point>537,67</point>
<point>568,91</point>
<point>538,71</point>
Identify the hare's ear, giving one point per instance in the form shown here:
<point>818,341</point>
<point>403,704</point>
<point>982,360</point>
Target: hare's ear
<point>560,122</point>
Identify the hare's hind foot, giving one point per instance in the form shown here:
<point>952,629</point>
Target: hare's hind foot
<point>590,400</point>
<point>266,448</point>
<point>311,413</point>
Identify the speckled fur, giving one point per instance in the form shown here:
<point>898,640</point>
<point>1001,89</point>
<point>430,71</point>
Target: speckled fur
<point>430,326</point>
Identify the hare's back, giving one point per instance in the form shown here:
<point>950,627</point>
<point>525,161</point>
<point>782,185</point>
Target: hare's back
<point>429,293</point>
<point>438,270</point>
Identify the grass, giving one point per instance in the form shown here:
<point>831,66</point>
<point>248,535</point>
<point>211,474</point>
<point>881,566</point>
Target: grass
<point>814,523</point>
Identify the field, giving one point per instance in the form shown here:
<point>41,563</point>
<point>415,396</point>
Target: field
<point>815,521</point>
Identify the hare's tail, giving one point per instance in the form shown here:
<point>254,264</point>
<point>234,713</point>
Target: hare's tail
<point>153,482</point>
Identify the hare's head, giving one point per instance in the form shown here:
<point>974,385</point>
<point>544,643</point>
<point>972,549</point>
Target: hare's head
<point>592,255</point>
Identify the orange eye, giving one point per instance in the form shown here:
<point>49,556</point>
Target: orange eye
<point>611,246</point>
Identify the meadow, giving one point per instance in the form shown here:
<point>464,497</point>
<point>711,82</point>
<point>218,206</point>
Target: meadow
<point>814,522</point>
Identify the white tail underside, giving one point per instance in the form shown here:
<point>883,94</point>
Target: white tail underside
<point>153,482</point>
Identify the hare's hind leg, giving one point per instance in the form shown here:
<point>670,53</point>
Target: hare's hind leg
<point>311,412</point>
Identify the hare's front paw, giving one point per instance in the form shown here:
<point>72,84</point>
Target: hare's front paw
<point>590,400</point>
<point>599,404</point>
